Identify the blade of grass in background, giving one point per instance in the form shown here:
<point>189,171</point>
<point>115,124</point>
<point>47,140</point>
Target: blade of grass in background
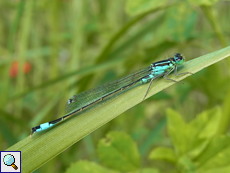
<point>22,47</point>
<point>85,71</point>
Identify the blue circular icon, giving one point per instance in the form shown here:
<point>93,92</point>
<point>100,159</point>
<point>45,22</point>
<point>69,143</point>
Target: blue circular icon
<point>9,159</point>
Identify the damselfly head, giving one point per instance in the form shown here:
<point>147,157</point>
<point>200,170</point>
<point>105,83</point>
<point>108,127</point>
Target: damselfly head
<point>179,58</point>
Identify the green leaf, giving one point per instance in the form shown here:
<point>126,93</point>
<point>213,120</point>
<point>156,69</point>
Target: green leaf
<point>185,164</point>
<point>140,6</point>
<point>119,151</point>
<point>45,145</point>
<point>215,156</point>
<point>203,128</point>
<point>161,153</point>
<point>191,137</point>
<point>196,141</point>
<point>207,122</point>
<point>87,167</point>
<point>225,118</point>
<point>179,132</point>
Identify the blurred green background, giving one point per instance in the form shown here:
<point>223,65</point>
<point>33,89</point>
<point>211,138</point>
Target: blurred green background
<point>51,50</point>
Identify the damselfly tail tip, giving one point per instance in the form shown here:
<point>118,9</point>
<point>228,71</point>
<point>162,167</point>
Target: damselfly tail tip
<point>31,134</point>
<point>32,131</point>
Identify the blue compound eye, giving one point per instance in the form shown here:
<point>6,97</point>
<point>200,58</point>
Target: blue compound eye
<point>178,58</point>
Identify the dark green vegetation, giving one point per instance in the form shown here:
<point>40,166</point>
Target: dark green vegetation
<point>51,50</point>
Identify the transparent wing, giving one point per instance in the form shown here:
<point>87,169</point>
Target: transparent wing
<point>84,98</point>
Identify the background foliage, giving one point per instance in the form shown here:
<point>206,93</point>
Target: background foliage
<point>50,50</point>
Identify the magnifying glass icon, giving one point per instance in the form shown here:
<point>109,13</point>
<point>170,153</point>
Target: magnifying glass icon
<point>9,160</point>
